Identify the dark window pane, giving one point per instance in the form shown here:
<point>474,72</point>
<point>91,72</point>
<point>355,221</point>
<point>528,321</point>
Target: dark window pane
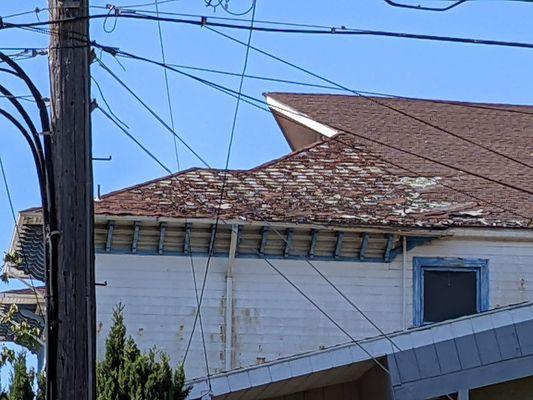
<point>449,294</point>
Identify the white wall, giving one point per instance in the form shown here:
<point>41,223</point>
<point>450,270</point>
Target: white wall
<point>270,318</point>
<point>158,294</point>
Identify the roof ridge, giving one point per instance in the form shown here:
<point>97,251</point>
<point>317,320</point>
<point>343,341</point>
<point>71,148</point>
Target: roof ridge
<point>406,98</point>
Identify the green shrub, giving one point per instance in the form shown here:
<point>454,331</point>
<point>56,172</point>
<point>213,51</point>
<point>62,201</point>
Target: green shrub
<point>128,374</point>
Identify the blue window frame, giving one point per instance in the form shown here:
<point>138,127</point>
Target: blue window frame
<point>426,265</point>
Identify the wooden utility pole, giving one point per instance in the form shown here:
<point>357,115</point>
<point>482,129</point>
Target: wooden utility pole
<point>71,351</point>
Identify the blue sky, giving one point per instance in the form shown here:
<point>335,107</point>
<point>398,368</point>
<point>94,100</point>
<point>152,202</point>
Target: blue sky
<point>203,116</point>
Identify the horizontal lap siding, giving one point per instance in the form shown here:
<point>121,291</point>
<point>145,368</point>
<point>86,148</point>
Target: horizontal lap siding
<point>510,265</point>
<point>270,318</point>
<point>160,305</point>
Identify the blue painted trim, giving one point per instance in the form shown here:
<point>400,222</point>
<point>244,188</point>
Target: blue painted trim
<point>136,234</point>
<point>162,231</point>
<point>239,240</point>
<point>187,239</point>
<point>264,239</point>
<point>244,255</point>
<point>312,247</point>
<point>388,249</point>
<point>288,243</point>
<point>212,238</point>
<point>109,238</point>
<point>412,242</point>
<point>364,245</point>
<point>420,264</point>
<point>338,245</point>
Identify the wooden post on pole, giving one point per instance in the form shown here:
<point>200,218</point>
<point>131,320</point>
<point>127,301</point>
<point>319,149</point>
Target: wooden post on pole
<point>71,346</point>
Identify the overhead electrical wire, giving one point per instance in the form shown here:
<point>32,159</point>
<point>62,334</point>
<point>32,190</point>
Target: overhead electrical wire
<point>374,100</point>
<point>152,112</point>
<point>480,106</point>
<point>35,11</point>
<point>332,87</point>
<point>258,103</point>
<point>392,146</point>
<point>198,316</point>
<point>125,131</point>
<point>99,88</point>
<point>338,31</point>
<point>167,87</point>
<point>226,167</point>
<point>261,105</point>
<point>218,18</point>
<point>456,3</point>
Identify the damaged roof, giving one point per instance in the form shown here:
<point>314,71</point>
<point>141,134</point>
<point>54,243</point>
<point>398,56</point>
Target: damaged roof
<point>348,180</point>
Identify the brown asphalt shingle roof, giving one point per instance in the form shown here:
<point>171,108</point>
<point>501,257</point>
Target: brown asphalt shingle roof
<point>350,181</point>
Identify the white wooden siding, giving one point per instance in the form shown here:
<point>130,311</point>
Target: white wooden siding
<point>270,318</point>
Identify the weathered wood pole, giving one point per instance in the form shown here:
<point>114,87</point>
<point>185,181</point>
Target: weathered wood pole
<point>71,347</point>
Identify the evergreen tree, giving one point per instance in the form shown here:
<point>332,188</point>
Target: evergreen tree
<point>128,374</point>
<point>41,387</point>
<point>21,380</point>
<point>108,371</point>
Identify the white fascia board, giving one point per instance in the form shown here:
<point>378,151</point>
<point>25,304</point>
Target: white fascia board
<point>518,234</point>
<point>299,117</point>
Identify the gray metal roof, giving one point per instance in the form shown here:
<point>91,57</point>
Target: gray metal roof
<point>418,356</point>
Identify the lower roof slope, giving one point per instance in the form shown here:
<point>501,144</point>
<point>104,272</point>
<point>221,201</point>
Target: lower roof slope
<point>341,180</point>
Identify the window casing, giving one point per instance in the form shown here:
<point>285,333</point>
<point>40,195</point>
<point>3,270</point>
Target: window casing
<point>463,276</point>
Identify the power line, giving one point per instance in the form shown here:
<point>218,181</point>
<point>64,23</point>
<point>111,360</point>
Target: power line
<point>114,51</point>
<point>151,111</point>
<point>120,6</point>
<point>35,11</point>
<point>323,312</point>
<point>218,18</point>
<point>253,102</point>
<point>124,130</point>
<point>337,31</point>
<point>481,106</point>
<point>445,164</point>
<point>224,177</point>
<point>107,104</point>
<point>425,8</point>
<point>8,192</point>
<point>169,101</point>
<point>376,101</point>
<point>420,120</point>
<point>197,317</point>
<point>461,104</point>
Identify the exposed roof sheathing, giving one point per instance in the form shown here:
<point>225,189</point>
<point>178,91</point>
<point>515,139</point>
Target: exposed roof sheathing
<point>350,181</point>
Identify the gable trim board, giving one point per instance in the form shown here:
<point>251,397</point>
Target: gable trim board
<point>438,359</point>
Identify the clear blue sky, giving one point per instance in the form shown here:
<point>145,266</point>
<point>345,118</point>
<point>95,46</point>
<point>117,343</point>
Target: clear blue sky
<point>203,116</point>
